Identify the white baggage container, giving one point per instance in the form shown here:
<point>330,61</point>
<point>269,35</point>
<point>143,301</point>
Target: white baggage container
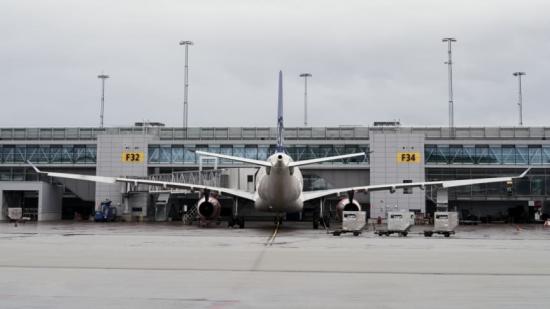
<point>15,213</point>
<point>445,223</point>
<point>400,221</point>
<point>352,222</point>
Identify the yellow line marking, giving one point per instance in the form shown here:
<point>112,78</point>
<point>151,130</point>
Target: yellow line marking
<point>272,238</point>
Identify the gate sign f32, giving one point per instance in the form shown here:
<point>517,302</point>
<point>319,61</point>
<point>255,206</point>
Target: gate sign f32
<point>133,156</point>
<point>408,157</point>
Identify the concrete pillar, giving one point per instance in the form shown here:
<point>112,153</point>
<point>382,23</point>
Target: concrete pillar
<point>396,158</point>
<point>49,202</point>
<point>111,162</point>
<point>3,207</point>
<point>442,200</point>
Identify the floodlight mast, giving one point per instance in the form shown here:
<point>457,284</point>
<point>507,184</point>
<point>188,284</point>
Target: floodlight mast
<point>520,96</point>
<point>186,85</point>
<point>305,76</point>
<point>451,100</point>
<point>103,77</point>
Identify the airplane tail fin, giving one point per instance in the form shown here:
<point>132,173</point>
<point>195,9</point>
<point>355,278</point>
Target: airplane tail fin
<point>280,126</point>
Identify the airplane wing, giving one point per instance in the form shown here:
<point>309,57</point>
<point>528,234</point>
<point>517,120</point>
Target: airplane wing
<point>310,195</point>
<point>164,184</point>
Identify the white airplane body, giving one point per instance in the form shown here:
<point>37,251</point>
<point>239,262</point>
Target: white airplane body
<point>279,182</point>
<point>280,191</point>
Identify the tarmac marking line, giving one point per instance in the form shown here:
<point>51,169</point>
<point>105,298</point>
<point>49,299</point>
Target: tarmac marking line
<point>374,272</point>
<point>269,242</point>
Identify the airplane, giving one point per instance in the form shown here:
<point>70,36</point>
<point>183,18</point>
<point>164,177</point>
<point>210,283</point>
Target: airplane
<point>279,185</point>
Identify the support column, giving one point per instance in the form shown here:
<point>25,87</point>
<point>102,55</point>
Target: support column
<point>442,200</point>
<point>3,207</point>
<point>49,202</point>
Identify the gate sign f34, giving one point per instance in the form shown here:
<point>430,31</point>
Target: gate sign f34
<point>408,157</point>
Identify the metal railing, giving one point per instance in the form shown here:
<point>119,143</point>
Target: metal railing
<point>270,133</point>
<point>205,177</point>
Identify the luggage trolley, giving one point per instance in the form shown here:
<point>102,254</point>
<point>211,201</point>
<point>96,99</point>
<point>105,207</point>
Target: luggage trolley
<point>352,222</point>
<point>445,223</point>
<point>398,223</point>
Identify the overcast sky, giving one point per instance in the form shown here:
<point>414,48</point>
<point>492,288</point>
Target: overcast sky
<point>370,60</point>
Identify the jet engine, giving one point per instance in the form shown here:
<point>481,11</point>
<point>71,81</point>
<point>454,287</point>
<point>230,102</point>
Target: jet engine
<point>208,209</point>
<point>347,204</point>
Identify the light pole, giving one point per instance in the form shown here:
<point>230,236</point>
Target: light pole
<point>186,87</point>
<point>305,76</point>
<point>103,77</point>
<point>520,97</point>
<point>451,102</point>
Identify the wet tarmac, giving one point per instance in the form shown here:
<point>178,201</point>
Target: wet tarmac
<point>87,265</point>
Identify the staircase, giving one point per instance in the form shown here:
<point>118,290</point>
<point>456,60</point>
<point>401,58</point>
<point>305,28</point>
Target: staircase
<point>161,206</point>
<point>190,215</point>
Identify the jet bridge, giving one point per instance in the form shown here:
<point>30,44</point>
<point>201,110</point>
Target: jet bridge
<point>170,203</point>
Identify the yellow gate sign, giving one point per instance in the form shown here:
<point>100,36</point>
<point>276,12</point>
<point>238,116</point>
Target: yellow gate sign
<point>408,157</point>
<point>133,156</point>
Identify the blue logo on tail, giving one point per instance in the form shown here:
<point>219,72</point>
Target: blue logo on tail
<point>280,126</point>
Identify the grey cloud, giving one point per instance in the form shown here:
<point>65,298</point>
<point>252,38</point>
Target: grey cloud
<point>374,60</point>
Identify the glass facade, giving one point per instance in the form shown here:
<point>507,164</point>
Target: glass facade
<point>487,154</point>
<point>180,154</point>
<point>438,154</point>
<point>48,154</point>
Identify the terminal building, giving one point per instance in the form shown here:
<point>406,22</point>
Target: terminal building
<point>395,154</point>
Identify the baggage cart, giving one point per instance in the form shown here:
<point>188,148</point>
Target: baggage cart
<point>398,223</point>
<point>352,222</point>
<point>445,223</point>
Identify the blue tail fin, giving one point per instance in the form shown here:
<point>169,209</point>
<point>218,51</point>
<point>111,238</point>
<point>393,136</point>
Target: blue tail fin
<point>280,126</point>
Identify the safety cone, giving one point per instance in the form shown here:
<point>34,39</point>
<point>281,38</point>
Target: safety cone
<point>547,223</point>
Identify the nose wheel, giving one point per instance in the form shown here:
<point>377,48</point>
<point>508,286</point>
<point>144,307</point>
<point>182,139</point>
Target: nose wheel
<point>235,219</point>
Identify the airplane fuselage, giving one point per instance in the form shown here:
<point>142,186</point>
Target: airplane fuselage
<point>279,188</point>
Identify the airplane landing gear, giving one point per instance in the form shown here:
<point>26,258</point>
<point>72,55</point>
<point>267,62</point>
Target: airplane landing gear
<point>321,216</point>
<point>325,221</point>
<point>236,221</point>
<point>316,220</point>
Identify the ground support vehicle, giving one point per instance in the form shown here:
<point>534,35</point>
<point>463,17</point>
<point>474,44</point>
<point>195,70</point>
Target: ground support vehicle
<point>445,223</point>
<point>106,212</point>
<point>352,222</point>
<point>398,223</point>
